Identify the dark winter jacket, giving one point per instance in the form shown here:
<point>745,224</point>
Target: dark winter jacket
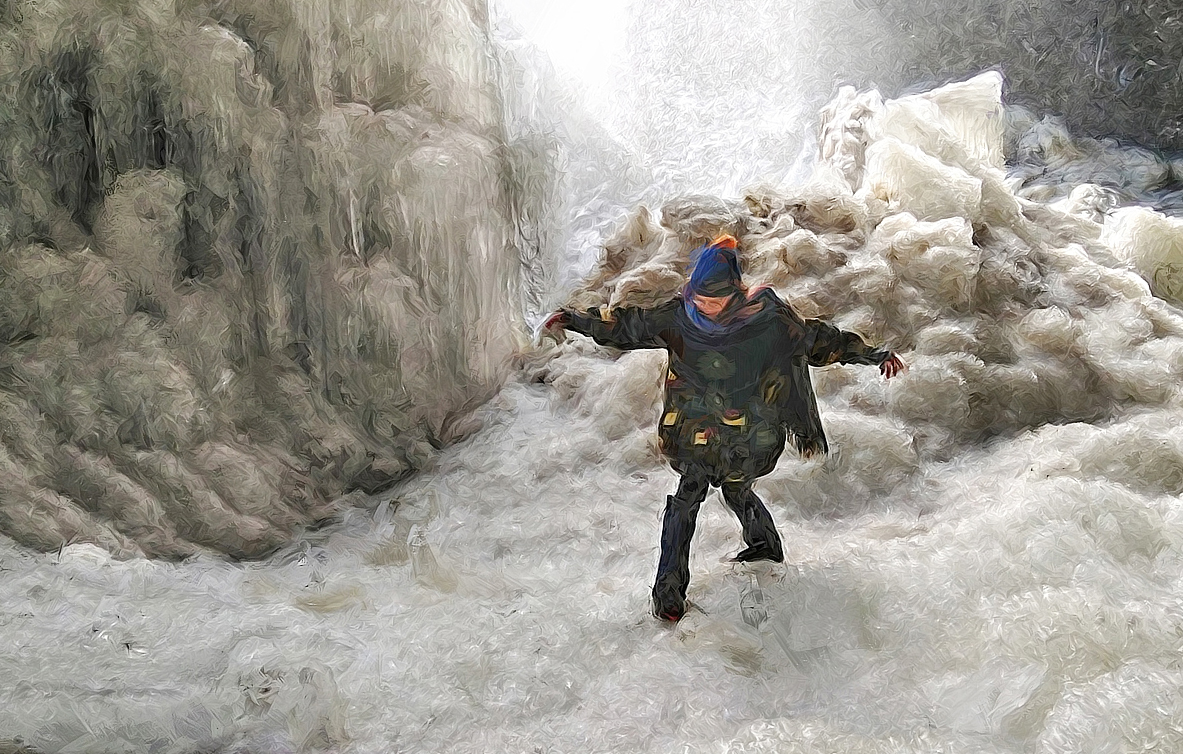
<point>733,398</point>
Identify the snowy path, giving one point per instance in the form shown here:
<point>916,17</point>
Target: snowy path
<point>1028,610</point>
<point>531,632</point>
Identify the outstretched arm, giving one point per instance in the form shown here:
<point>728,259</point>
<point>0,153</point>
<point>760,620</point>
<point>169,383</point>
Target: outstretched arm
<point>625,328</point>
<point>826,344</point>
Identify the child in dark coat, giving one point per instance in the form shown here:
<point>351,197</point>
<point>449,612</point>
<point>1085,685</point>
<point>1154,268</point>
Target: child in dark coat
<point>737,388</point>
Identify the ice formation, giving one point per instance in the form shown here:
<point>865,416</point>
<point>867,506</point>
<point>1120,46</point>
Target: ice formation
<point>988,561</point>
<point>255,255</point>
<point>575,174</point>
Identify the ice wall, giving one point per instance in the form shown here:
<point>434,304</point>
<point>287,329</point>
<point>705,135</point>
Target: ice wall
<point>1013,314</point>
<point>254,255</point>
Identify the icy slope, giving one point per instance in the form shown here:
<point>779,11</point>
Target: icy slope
<point>253,255</point>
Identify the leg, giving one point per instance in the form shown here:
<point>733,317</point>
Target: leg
<point>759,531</point>
<point>677,529</point>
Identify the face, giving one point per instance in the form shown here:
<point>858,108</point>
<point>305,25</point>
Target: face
<point>711,305</point>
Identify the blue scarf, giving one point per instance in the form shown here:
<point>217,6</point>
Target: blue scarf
<point>728,321</point>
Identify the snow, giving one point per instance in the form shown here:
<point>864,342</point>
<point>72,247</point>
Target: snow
<point>987,561</point>
<point>1153,244</point>
<point>987,604</point>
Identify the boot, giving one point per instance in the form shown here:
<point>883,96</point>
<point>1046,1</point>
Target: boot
<point>759,552</point>
<point>669,602</point>
<point>759,530</point>
<point>677,529</point>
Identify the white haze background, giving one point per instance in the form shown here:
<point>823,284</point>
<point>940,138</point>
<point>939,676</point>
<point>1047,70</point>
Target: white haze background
<point>939,594</point>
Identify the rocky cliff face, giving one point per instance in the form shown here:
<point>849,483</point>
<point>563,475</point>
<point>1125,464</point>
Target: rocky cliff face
<point>254,255</point>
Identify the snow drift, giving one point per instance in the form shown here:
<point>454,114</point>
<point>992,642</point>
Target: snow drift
<point>254,256</point>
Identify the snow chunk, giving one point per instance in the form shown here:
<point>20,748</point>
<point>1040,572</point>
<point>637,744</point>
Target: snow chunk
<point>1153,244</point>
<point>911,181</point>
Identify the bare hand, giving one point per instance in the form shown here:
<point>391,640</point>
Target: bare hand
<point>553,327</point>
<point>892,366</point>
<point>556,321</point>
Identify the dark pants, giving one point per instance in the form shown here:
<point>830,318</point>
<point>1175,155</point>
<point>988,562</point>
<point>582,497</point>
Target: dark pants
<point>681,515</point>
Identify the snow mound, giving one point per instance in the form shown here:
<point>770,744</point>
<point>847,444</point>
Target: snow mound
<point>1153,244</point>
<point>1012,314</point>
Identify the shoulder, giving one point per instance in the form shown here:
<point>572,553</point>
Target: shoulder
<point>667,308</point>
<point>765,294</point>
<point>775,303</point>
<point>789,321</point>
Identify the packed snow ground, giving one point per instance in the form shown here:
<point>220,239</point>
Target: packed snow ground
<point>972,568</point>
<point>1025,597</point>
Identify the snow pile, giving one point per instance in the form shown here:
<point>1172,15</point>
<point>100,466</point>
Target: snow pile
<point>1011,314</point>
<point>253,257</point>
<point>1153,244</point>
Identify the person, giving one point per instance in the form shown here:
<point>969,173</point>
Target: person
<point>737,388</point>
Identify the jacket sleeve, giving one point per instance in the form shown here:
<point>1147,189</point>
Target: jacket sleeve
<point>826,344</point>
<point>626,328</point>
